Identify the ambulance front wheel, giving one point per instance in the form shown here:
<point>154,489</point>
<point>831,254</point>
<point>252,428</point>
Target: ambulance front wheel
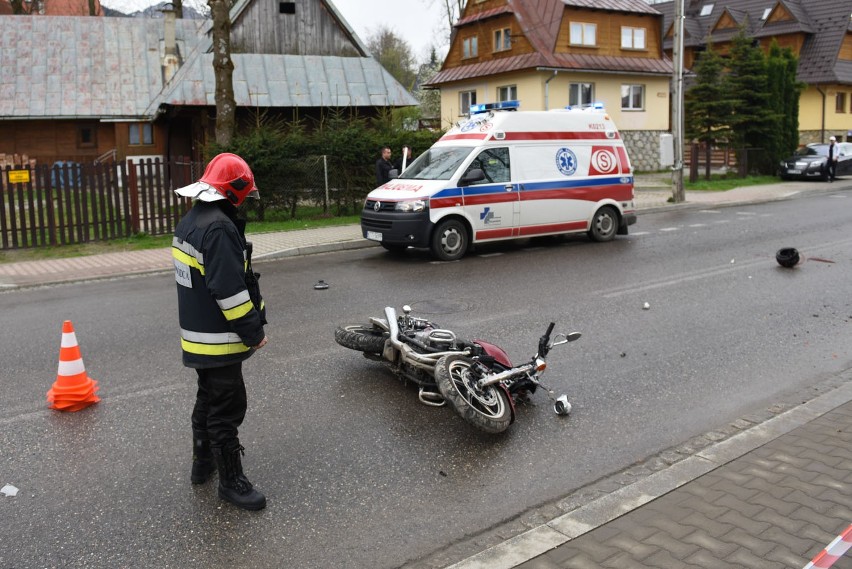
<point>604,224</point>
<point>450,240</point>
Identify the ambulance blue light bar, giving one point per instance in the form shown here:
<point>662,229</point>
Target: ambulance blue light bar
<point>596,106</point>
<point>501,106</point>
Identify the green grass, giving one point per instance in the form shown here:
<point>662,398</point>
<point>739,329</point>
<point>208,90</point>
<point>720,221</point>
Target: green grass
<point>721,183</point>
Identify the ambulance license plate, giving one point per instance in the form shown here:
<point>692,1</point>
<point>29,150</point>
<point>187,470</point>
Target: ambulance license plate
<point>374,235</point>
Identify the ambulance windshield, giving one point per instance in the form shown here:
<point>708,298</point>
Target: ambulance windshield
<point>436,163</point>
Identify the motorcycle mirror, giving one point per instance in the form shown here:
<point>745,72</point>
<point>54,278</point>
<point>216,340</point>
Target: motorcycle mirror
<point>565,338</point>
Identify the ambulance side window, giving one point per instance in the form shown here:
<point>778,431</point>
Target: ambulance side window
<point>494,163</point>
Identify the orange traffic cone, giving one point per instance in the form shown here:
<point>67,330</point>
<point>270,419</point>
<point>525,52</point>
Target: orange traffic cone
<point>73,389</point>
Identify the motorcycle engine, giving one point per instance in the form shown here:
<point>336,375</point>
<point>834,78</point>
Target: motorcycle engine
<point>438,339</point>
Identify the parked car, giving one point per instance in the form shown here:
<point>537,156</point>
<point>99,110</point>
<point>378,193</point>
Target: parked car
<point>811,162</point>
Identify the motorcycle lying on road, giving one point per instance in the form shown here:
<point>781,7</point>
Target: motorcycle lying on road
<point>476,377</point>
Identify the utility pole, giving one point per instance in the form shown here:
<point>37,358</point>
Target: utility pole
<point>677,108</point>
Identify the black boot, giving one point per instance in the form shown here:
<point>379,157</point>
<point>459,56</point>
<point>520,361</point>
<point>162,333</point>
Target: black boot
<point>203,465</point>
<point>234,487</point>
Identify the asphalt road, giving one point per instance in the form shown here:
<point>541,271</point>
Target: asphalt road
<point>358,473</point>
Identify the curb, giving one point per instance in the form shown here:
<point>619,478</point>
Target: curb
<point>590,516</point>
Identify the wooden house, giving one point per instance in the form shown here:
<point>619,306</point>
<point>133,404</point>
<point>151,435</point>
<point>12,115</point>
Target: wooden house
<point>96,88</point>
<point>819,32</point>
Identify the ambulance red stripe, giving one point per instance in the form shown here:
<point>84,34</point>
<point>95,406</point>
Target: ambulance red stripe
<point>617,192</point>
<point>552,228</point>
<point>539,135</point>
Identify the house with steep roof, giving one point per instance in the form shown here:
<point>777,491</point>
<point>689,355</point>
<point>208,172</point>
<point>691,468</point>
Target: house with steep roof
<point>553,53</point>
<point>819,32</point>
<point>79,88</point>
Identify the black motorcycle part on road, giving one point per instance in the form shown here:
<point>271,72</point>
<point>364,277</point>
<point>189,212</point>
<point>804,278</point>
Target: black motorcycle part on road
<point>488,409</point>
<point>361,338</point>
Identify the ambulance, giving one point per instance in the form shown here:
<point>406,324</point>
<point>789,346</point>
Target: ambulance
<point>508,174</point>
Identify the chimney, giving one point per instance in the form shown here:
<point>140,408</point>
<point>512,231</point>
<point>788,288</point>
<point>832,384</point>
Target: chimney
<point>171,62</point>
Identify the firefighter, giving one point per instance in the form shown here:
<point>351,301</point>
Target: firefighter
<point>221,320</point>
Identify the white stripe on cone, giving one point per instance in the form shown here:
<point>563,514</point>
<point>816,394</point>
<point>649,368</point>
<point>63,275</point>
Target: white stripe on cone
<point>71,368</point>
<point>69,340</point>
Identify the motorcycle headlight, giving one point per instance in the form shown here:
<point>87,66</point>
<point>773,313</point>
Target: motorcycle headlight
<point>410,206</point>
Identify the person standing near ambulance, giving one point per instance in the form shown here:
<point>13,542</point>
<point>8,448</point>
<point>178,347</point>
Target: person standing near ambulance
<point>221,320</point>
<point>384,166</point>
<point>832,158</point>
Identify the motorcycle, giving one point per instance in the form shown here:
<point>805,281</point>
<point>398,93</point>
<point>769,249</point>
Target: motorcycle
<point>476,377</point>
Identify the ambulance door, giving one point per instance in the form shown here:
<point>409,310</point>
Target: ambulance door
<point>492,204</point>
<point>553,188</point>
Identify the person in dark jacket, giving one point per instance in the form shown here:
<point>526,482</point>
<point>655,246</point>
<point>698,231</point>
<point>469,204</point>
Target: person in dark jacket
<point>383,167</point>
<point>222,315</point>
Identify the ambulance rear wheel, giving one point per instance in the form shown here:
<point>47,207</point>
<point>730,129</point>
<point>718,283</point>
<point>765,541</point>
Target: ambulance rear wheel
<point>450,240</point>
<point>604,224</point>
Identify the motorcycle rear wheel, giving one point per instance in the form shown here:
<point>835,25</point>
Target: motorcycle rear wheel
<point>487,409</point>
<point>361,338</point>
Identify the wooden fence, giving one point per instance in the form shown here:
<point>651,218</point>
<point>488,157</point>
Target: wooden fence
<point>69,202</point>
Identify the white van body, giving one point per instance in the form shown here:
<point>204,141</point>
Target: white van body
<point>508,175</point>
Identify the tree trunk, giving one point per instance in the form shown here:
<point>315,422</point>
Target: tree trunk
<point>223,70</point>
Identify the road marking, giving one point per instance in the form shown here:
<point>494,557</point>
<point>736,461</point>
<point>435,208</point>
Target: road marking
<point>707,272</point>
<point>698,225</point>
<point>669,228</point>
<point>746,213</point>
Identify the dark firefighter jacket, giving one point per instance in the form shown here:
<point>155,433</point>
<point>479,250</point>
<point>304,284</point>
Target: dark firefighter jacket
<point>221,310</point>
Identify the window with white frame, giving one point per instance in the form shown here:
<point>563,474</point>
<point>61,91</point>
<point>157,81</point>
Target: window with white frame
<point>503,39</point>
<point>707,9</point>
<point>582,33</point>
<point>141,133</point>
<point>632,38</point>
<point>470,47</point>
<point>632,97</point>
<point>466,100</point>
<point>507,93</point>
<point>581,94</point>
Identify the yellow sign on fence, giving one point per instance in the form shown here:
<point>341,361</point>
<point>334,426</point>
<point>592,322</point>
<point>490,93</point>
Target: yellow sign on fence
<point>19,176</point>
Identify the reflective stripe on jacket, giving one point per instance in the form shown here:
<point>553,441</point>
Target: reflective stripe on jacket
<point>218,320</point>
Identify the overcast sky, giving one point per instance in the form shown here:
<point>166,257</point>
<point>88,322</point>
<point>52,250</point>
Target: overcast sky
<point>420,22</point>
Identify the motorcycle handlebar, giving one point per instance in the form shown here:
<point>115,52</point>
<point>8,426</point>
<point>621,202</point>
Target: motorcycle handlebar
<point>545,340</point>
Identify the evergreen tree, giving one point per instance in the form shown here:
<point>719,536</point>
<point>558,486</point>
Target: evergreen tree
<point>784,96</point>
<point>754,122</point>
<point>707,104</point>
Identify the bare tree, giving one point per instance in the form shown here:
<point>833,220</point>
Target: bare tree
<point>394,53</point>
<point>452,9</point>
<point>223,70</point>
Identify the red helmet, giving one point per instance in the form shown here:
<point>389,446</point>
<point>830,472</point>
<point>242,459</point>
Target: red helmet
<point>229,175</point>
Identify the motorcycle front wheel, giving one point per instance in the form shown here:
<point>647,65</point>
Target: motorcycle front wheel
<point>488,409</point>
<point>361,338</point>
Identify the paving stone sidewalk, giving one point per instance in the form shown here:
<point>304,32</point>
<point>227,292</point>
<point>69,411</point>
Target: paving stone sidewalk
<point>771,496</point>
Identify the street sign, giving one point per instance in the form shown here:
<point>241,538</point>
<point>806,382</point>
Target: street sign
<point>19,176</point>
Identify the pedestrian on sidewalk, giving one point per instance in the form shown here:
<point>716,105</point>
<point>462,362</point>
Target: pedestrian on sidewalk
<point>221,320</point>
<point>832,158</point>
<point>383,167</point>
